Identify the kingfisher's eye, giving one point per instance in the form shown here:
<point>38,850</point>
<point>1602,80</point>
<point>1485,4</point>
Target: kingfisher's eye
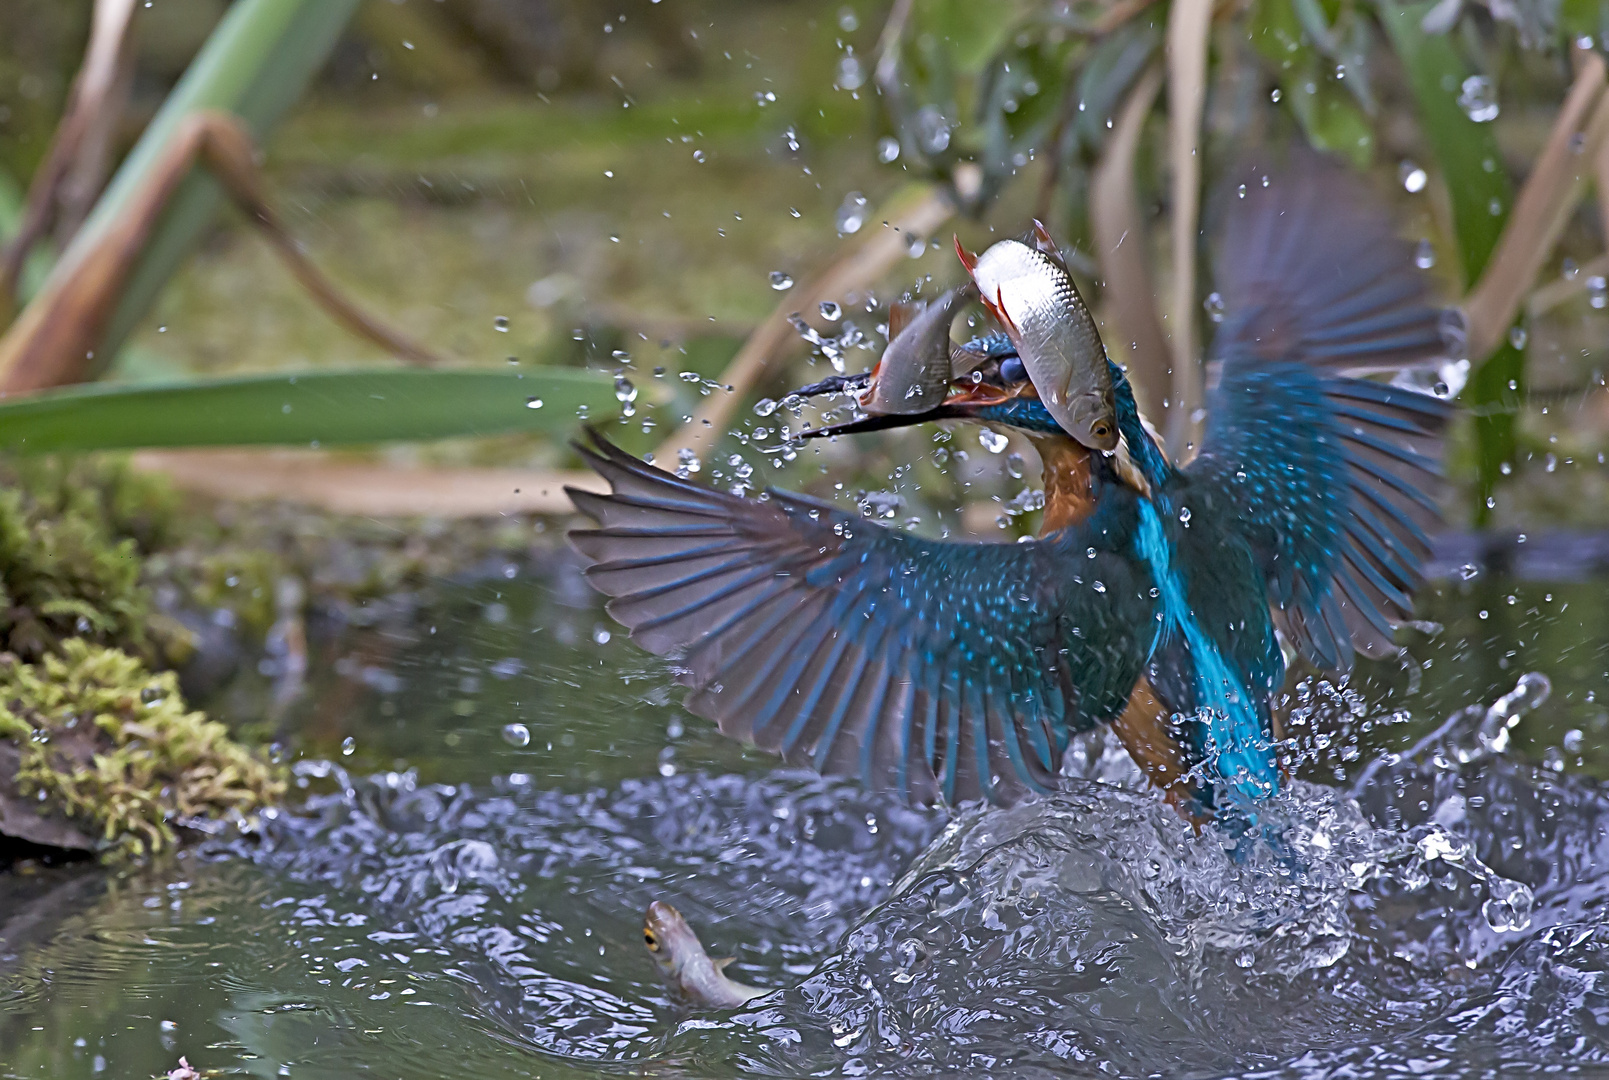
<point>1012,370</point>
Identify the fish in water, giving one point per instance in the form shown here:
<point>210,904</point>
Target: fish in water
<point>677,950</point>
<point>1029,290</point>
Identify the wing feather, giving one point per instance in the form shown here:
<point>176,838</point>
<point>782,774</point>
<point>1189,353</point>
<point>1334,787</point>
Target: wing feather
<point>1338,477</point>
<point>941,670</point>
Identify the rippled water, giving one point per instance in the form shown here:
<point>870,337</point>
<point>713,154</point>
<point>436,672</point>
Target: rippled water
<point>453,899</point>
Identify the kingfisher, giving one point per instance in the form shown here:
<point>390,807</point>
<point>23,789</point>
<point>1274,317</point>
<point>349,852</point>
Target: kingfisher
<point>1157,594</point>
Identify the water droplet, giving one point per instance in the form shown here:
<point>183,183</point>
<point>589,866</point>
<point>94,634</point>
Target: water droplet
<point>1274,95</point>
<point>848,22</point>
<point>625,389</point>
<point>1184,516</point>
<point>831,311</point>
<point>851,213</point>
<point>1468,571</point>
<point>1424,256</point>
<point>1478,99</point>
<point>851,74</point>
<point>501,323</point>
<point>1215,307</point>
<point>932,130</point>
<point>887,149</point>
<point>533,403</point>
<point>1413,177</point>
<point>1099,586</point>
<point>1014,466</point>
<point>516,735</point>
<point>781,281</point>
<point>1517,336</point>
<point>1508,907</point>
<point>601,635</point>
<point>687,462</point>
<point>992,440</point>
<point>348,746</point>
<point>765,407</point>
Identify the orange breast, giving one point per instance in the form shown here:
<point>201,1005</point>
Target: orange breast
<point>1142,726</point>
<point>1068,498</point>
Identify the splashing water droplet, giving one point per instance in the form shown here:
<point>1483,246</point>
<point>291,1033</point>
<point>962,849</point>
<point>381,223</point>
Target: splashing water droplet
<point>1508,907</point>
<point>781,281</point>
<point>501,323</point>
<point>831,311</point>
<point>851,73</point>
<point>851,214</point>
<point>349,745</point>
<point>932,130</point>
<point>1424,256</point>
<point>1517,336</point>
<point>765,407</point>
<point>1478,99</point>
<point>516,735</point>
<point>992,440</point>
<point>625,389</point>
<point>1413,177</point>
<point>533,403</point>
<point>888,149</point>
<point>1507,711</point>
<point>1215,307</point>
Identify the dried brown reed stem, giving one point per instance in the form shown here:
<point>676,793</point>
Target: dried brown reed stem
<point>1188,24</point>
<point>1544,205</point>
<point>371,489</point>
<point>1120,247</point>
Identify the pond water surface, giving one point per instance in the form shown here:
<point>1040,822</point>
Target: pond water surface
<point>496,784</point>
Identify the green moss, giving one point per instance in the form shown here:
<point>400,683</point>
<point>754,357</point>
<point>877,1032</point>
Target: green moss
<point>71,535</point>
<point>113,746</point>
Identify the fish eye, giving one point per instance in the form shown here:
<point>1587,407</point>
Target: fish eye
<point>648,936</point>
<point>1102,430</point>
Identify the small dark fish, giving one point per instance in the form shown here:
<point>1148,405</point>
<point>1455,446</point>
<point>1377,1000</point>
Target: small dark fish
<point>1029,291</point>
<point>677,949</point>
<point>913,375</point>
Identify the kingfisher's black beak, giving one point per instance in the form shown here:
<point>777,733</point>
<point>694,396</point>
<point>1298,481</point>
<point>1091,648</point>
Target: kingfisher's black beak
<point>965,400</point>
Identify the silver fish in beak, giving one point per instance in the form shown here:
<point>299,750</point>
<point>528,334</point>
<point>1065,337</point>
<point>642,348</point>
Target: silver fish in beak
<point>913,374</point>
<point>676,948</point>
<point>1029,291</point>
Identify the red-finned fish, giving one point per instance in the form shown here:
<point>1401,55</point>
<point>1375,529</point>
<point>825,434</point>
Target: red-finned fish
<point>677,950</point>
<point>1029,291</point>
<point>913,374</point>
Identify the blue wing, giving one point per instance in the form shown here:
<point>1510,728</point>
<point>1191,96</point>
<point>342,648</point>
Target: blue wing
<point>935,669</point>
<point>1337,478</point>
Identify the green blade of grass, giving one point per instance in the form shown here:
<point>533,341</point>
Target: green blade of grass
<point>325,407</point>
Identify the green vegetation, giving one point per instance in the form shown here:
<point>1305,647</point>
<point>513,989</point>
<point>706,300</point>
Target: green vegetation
<point>114,748</point>
<point>70,560</point>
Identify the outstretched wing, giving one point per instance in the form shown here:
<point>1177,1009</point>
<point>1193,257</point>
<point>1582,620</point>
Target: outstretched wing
<point>1339,477</point>
<point>936,669</point>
